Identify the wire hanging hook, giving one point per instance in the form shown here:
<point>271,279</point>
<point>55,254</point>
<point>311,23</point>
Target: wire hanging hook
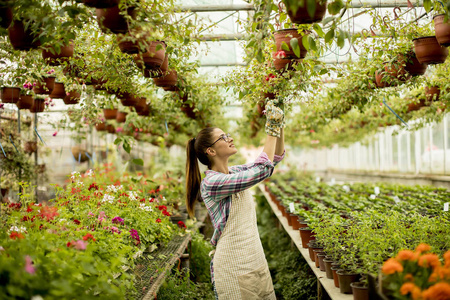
<point>395,12</point>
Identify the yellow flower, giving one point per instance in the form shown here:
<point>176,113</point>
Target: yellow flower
<point>439,291</point>
<point>405,255</point>
<point>423,248</point>
<point>391,266</point>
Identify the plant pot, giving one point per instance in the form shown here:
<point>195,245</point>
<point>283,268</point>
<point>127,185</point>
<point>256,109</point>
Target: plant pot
<point>302,224</point>
<point>46,87</point>
<point>329,272</point>
<point>289,218</point>
<point>432,93</point>
<point>38,105</point>
<point>145,112</point>
<point>360,291</point>
<point>141,105</point>
<point>153,57</point>
<point>285,36</point>
<point>110,128</point>
<point>30,147</point>
<point>20,38</point>
<point>54,58</point>
<point>442,30</point>
<point>335,276</point>
<point>301,16</point>
<point>188,110</point>
<point>321,257</point>
<point>10,94</point>
<point>79,154</point>
<point>6,16</point>
<point>128,43</point>
<point>4,192</point>
<point>58,91</point>
<point>100,126</point>
<point>295,221</point>
<point>110,114</point>
<point>269,95</point>
<point>101,3</point>
<point>121,117</point>
<point>25,102</point>
<point>413,66</point>
<point>311,247</point>
<point>345,279</point>
<point>110,19</point>
<point>71,98</point>
<point>168,80</point>
<point>284,64</point>
<point>179,217</point>
<point>128,99</point>
<point>429,51</point>
<point>316,259</point>
<point>416,105</point>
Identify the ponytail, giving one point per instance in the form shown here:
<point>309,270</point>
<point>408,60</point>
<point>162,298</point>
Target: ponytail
<point>193,177</point>
<point>196,149</point>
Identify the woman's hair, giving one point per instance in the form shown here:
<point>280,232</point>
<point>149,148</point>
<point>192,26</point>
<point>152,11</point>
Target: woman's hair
<point>196,149</point>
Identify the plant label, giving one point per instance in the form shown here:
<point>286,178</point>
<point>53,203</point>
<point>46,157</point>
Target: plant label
<point>446,205</point>
<point>396,199</point>
<point>346,188</point>
<point>372,196</point>
<point>291,207</point>
<point>377,190</point>
<point>317,179</point>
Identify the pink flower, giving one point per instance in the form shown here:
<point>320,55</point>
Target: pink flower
<point>312,131</point>
<point>91,214</point>
<point>55,133</point>
<point>280,54</point>
<point>29,265</point>
<point>67,93</point>
<point>115,229</point>
<point>80,245</point>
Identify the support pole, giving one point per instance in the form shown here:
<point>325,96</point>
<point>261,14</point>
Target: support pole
<point>36,157</point>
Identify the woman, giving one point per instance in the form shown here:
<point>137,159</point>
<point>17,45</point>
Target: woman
<point>239,268</point>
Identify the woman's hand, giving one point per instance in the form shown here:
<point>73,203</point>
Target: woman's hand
<point>274,118</point>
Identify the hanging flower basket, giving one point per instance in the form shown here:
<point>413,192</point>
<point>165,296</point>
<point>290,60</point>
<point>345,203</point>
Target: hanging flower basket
<point>127,99</point>
<point>110,128</point>
<point>58,91</point>
<point>413,66</point>
<point>432,93</point>
<point>100,126</point>
<point>110,19</point>
<point>53,58</point>
<point>145,112</point>
<point>415,104</point>
<point>392,74</point>
<point>141,105</point>
<point>283,64</point>
<point>121,117</point>
<point>25,102</point>
<point>158,72</point>
<point>21,38</point>
<point>71,98</point>
<point>110,114</point>
<point>6,16</point>
<point>154,57</point>
<point>169,80</point>
<point>301,16</point>
<point>10,94</point>
<point>101,3</point>
<point>429,51</point>
<point>45,87</point>
<point>80,155</point>
<point>38,105</point>
<point>30,147</point>
<point>442,30</point>
<point>283,39</point>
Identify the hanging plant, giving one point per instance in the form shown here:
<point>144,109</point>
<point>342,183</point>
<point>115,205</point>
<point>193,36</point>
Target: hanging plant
<point>22,36</point>
<point>429,51</point>
<point>112,19</point>
<point>55,55</point>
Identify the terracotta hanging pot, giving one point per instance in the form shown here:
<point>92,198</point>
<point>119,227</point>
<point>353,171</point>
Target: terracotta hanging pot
<point>110,128</point>
<point>168,80</point>
<point>432,93</point>
<point>154,56</point>
<point>121,117</point>
<point>46,87</point>
<point>25,102</point>
<point>38,105</point>
<point>110,19</point>
<point>412,64</point>
<point>134,41</point>
<point>21,38</point>
<point>415,104</point>
<point>285,36</point>
<point>110,114</point>
<point>79,154</point>
<point>188,110</point>
<point>71,98</point>
<point>101,3</point>
<point>269,95</point>
<point>53,58</point>
<point>10,94</point>
<point>301,16</point>
<point>145,112</point>
<point>30,147</point>
<point>58,91</point>
<point>141,105</point>
<point>100,126</point>
<point>442,30</point>
<point>429,51</point>
<point>128,99</point>
<point>6,16</point>
<point>283,64</point>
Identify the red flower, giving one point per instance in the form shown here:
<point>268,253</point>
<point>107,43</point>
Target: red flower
<point>93,186</point>
<point>26,218</point>
<point>181,224</point>
<point>15,206</point>
<point>158,220</point>
<point>16,235</point>
<point>124,194</point>
<point>29,209</point>
<point>77,222</point>
<point>70,244</point>
<point>166,213</point>
<point>142,200</point>
<point>88,236</point>
<point>280,54</point>
<point>49,212</point>
<point>162,207</point>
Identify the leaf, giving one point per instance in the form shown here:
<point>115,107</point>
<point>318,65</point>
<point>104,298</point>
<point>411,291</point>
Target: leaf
<point>329,36</point>
<point>260,56</point>
<point>335,7</point>
<point>295,47</point>
<point>305,42</point>
<point>117,141</point>
<point>126,147</point>
<point>319,30</point>
<point>427,5</point>
<point>312,43</point>
<point>311,7</point>
<point>327,20</point>
<point>341,39</point>
<point>138,161</point>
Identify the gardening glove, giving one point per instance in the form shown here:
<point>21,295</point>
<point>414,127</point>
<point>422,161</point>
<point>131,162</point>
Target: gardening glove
<point>274,118</point>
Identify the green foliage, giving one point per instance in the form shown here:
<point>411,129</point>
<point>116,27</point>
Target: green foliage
<point>199,262</point>
<point>178,286</point>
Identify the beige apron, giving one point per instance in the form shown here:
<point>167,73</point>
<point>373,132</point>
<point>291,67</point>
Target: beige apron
<point>240,267</point>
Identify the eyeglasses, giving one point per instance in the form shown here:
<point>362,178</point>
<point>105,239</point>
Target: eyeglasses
<point>225,137</point>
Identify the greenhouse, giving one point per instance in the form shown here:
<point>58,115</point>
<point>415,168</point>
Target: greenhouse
<point>225,149</point>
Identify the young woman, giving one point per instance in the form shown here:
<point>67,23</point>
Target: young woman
<point>239,268</point>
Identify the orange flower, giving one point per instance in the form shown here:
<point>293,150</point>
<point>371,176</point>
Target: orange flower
<point>429,260</point>
<point>447,259</point>
<point>405,255</point>
<point>423,248</point>
<point>444,273</point>
<point>439,291</point>
<point>411,288</point>
<point>434,276</point>
<point>391,266</point>
<point>409,277</point>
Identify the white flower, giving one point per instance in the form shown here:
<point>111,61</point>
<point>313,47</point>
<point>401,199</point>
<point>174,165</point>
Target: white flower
<point>108,198</point>
<point>79,183</point>
<point>74,175</point>
<point>62,220</point>
<point>89,172</point>
<point>113,188</point>
<point>146,208</point>
<point>17,229</point>
<point>132,196</point>
<point>2,249</point>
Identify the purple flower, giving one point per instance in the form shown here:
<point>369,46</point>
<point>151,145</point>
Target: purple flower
<point>118,220</point>
<point>29,265</point>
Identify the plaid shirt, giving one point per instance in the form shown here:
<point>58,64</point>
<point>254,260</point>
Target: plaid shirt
<point>217,188</point>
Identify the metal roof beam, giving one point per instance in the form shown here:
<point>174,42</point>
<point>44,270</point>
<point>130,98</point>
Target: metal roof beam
<point>212,8</point>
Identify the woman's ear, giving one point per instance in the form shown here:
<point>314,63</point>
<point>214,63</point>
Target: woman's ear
<point>210,152</point>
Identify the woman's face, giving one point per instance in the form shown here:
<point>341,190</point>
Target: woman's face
<point>223,143</point>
